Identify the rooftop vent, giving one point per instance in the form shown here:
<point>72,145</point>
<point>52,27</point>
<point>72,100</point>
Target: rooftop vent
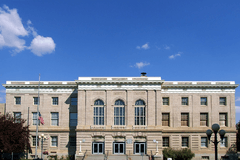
<point>143,74</point>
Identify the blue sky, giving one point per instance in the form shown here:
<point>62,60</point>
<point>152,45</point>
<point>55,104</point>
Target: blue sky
<point>176,40</point>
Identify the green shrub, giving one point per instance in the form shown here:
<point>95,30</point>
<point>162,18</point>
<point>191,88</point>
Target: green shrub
<point>183,154</point>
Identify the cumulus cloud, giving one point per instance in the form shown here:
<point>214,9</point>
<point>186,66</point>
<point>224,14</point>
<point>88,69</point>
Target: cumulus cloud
<point>42,45</point>
<point>145,46</point>
<point>12,33</point>
<point>141,65</point>
<point>237,109</point>
<point>175,55</point>
<point>11,28</point>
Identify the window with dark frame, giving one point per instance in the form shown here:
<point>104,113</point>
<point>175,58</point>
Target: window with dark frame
<point>204,142</point>
<point>34,141</point>
<point>165,100</point>
<point>17,116</point>
<point>73,119</point>
<point>184,141</point>
<point>119,113</point>
<point>54,141</point>
<point>222,101</point>
<point>165,141</point>
<point>184,119</point>
<point>140,112</point>
<point>54,119</point>
<point>98,113</point>
<point>18,100</point>
<point>203,119</point>
<point>204,101</point>
<point>165,119</point>
<point>35,118</point>
<point>223,143</point>
<point>223,119</point>
<point>54,100</point>
<point>184,100</point>
<point>35,100</point>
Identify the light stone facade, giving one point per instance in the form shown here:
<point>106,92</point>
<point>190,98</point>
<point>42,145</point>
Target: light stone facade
<point>2,108</point>
<point>129,138</point>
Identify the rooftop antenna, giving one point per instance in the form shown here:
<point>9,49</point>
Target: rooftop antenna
<point>37,119</point>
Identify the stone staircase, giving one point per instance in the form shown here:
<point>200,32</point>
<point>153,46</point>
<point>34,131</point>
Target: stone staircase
<point>116,157</point>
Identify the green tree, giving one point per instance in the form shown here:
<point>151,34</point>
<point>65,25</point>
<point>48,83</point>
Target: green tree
<point>183,154</point>
<point>14,135</point>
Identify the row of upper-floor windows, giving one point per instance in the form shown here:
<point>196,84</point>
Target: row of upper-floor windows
<point>165,101</point>
<point>119,118</point>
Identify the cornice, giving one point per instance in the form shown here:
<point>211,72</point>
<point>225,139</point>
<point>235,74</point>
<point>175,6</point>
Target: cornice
<point>84,82</point>
<point>41,86</point>
<point>165,86</point>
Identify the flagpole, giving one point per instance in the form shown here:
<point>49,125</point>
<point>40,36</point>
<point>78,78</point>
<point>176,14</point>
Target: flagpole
<point>37,119</point>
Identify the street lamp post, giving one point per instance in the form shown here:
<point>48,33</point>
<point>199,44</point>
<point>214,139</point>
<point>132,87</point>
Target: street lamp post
<point>215,128</point>
<point>43,138</point>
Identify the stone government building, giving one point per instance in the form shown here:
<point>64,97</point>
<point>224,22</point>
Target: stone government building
<point>125,115</point>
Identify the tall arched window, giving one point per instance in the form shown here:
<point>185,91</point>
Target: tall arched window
<point>119,112</point>
<point>140,112</point>
<point>98,114</point>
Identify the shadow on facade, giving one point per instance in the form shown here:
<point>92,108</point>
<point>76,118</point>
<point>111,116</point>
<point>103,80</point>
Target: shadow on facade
<point>72,102</point>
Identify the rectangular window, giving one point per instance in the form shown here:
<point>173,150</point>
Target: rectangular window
<point>35,100</point>
<point>119,116</point>
<point>223,143</point>
<point>205,157</point>
<point>73,119</point>
<point>17,116</point>
<point>223,119</point>
<point>74,101</point>
<point>98,116</point>
<point>165,100</point>
<point>54,118</point>
<point>203,119</point>
<point>139,115</point>
<point>165,119</point>
<point>54,141</point>
<point>54,100</point>
<point>204,142</point>
<point>165,141</point>
<point>184,119</point>
<point>35,119</point>
<point>18,100</point>
<point>184,141</point>
<point>204,101</point>
<point>184,100</point>
<point>34,141</point>
<point>222,101</point>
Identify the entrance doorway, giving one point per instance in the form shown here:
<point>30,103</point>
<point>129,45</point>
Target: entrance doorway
<point>98,147</point>
<point>118,148</point>
<point>139,148</point>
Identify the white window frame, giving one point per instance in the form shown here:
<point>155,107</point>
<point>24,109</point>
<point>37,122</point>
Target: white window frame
<point>35,119</point>
<point>119,144</point>
<point>140,144</point>
<point>98,143</point>
<point>17,116</point>
<point>53,119</point>
<point>52,138</point>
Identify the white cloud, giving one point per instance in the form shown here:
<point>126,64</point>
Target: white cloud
<point>175,55</point>
<point>42,45</point>
<point>237,99</point>
<point>12,33</point>
<point>141,65</point>
<point>237,109</point>
<point>11,28</point>
<point>145,46</point>
<point>166,47</point>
